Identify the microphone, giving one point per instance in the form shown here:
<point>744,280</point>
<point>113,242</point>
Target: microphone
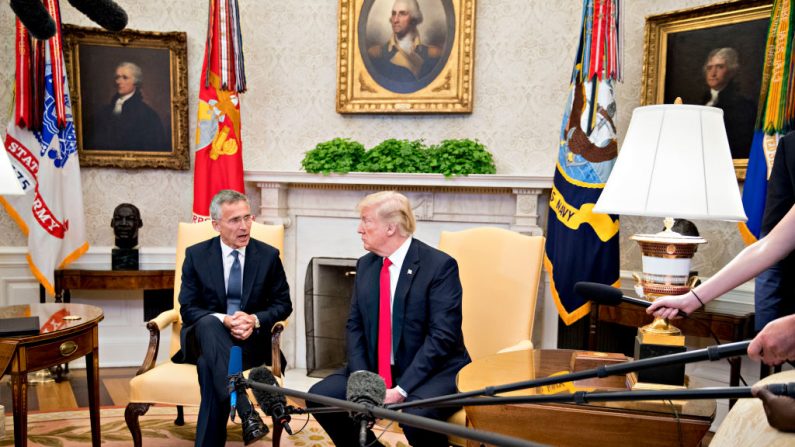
<point>272,403</point>
<point>604,294</point>
<point>711,353</point>
<point>584,397</point>
<point>106,13</point>
<point>234,373</point>
<point>35,18</point>
<point>365,388</point>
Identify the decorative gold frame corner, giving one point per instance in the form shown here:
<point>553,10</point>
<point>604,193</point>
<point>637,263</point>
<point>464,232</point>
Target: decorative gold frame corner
<point>451,91</point>
<point>655,50</point>
<point>178,157</point>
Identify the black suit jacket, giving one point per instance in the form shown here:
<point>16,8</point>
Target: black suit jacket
<point>781,185</point>
<point>203,292</point>
<point>739,115</point>
<point>427,341</point>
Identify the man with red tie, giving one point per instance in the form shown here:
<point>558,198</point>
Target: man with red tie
<point>404,323</point>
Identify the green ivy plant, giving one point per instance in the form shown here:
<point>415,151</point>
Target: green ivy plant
<point>396,156</point>
<point>461,157</point>
<point>450,157</point>
<point>339,155</point>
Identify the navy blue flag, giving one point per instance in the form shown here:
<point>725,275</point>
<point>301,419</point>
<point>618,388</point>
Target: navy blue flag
<point>582,245</point>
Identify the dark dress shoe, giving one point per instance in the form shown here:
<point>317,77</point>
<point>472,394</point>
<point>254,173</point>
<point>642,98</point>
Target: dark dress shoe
<point>253,428</point>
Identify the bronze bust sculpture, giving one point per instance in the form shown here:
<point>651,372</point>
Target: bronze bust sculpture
<point>126,222</point>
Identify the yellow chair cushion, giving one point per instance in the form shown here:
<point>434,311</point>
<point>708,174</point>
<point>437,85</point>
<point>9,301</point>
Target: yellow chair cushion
<point>167,383</point>
<point>171,383</point>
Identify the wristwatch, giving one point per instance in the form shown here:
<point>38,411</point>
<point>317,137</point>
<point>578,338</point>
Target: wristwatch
<point>256,321</point>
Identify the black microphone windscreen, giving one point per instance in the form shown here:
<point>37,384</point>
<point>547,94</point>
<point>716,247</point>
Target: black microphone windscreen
<point>365,387</point>
<point>267,400</point>
<point>35,18</point>
<point>106,13</point>
<point>600,293</point>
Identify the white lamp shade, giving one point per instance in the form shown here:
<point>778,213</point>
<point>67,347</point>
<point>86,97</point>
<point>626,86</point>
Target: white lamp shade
<point>675,162</point>
<point>9,185</point>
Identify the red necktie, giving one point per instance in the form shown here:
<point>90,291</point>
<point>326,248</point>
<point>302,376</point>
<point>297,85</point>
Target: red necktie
<point>385,326</point>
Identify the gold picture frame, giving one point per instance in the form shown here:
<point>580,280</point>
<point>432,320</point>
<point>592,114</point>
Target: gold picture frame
<point>376,77</point>
<point>677,46</point>
<point>147,128</point>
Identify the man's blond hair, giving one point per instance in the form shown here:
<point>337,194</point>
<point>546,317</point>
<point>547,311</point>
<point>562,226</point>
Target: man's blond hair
<point>391,207</point>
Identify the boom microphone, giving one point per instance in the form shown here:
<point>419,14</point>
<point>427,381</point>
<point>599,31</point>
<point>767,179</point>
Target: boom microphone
<point>106,13</point>
<point>604,294</point>
<point>234,372</point>
<point>35,18</point>
<point>585,397</point>
<point>424,423</point>
<point>711,353</point>
<point>273,404</point>
<point>369,389</point>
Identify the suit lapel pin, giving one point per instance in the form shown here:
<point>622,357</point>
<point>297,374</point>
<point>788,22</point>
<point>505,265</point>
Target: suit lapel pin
<point>409,272</point>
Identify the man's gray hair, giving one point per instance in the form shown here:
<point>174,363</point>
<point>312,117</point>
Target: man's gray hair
<point>135,70</point>
<point>728,54</point>
<point>224,196</point>
<point>413,8</point>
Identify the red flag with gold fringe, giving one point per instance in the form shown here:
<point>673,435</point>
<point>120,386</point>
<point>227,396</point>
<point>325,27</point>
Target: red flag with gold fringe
<point>219,146</point>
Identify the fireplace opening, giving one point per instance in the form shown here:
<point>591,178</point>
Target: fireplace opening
<point>328,286</point>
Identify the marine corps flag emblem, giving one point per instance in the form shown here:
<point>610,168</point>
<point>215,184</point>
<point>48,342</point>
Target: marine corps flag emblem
<point>581,245</point>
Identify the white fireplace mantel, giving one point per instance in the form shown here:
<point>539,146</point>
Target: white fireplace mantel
<point>524,191</point>
<point>320,219</point>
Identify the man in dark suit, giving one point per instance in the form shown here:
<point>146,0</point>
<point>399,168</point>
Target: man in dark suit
<point>233,290</point>
<point>404,323</point>
<point>127,123</point>
<point>739,112</point>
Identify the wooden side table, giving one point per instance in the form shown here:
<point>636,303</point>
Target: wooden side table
<point>68,332</point>
<point>68,279</point>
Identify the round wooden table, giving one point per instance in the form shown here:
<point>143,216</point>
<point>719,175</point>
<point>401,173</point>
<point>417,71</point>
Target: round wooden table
<point>67,332</point>
<point>563,424</point>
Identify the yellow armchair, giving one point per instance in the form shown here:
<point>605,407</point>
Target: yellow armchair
<point>500,274</point>
<point>178,384</point>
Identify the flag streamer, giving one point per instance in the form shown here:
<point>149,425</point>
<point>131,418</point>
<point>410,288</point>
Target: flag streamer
<point>219,157</point>
<point>775,118</point>
<point>42,146</point>
<point>581,245</point>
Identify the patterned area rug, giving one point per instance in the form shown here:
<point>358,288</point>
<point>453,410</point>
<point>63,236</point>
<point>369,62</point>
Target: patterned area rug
<point>72,428</point>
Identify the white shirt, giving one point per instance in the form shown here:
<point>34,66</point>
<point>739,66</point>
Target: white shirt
<point>713,97</point>
<point>120,103</point>
<point>397,258</point>
<point>228,259</point>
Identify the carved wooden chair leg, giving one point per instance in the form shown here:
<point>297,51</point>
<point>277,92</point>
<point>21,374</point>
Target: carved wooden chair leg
<point>277,435</point>
<point>131,414</point>
<point>180,420</point>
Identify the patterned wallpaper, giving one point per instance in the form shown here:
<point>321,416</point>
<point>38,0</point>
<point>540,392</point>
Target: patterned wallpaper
<point>523,56</point>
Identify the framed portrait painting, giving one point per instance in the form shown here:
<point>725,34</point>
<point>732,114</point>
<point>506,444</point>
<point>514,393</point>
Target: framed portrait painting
<point>129,97</point>
<point>711,55</point>
<point>405,56</point>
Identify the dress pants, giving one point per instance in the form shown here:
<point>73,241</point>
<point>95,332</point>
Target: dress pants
<point>345,432</point>
<point>214,342</point>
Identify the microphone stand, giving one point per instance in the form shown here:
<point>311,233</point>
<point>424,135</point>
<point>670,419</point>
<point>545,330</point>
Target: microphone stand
<point>403,418</point>
<point>584,397</point>
<point>711,353</point>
